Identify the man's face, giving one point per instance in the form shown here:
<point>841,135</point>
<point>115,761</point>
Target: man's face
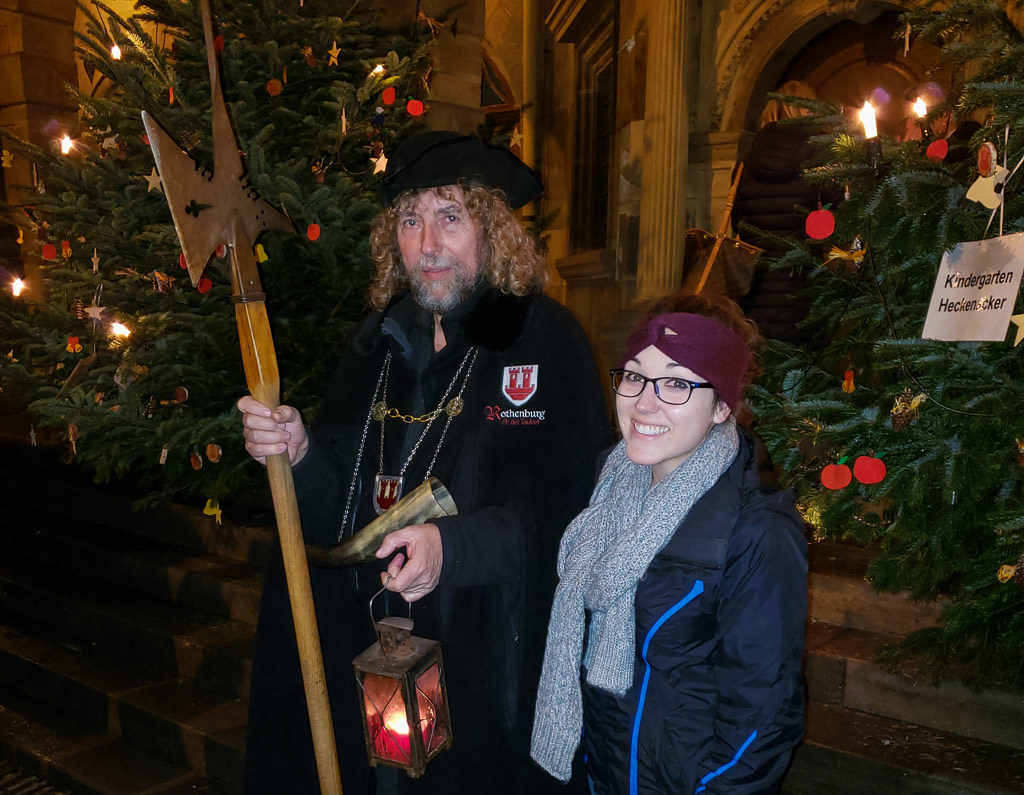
<point>440,245</point>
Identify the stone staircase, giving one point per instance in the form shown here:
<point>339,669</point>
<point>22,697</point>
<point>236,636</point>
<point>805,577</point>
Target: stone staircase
<point>871,731</point>
<point>125,637</point>
<point>125,651</point>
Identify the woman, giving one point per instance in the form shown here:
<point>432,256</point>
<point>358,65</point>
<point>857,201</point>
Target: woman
<point>677,628</point>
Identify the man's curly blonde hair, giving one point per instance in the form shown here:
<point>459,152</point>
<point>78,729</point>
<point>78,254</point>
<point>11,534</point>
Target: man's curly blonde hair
<point>509,256</point>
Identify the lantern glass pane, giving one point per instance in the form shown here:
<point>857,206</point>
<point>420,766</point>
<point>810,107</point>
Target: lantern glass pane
<point>433,717</point>
<point>386,724</point>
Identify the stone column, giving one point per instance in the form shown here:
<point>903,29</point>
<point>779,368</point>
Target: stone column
<point>666,142</point>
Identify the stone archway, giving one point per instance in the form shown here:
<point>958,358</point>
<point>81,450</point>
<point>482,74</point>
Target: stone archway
<point>760,43</point>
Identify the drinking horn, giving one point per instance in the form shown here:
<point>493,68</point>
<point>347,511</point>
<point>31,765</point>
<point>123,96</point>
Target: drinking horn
<point>427,501</point>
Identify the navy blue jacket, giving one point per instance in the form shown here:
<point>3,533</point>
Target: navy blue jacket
<point>717,699</point>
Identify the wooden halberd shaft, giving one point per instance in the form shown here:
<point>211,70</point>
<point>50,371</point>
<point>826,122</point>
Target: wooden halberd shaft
<point>261,374</point>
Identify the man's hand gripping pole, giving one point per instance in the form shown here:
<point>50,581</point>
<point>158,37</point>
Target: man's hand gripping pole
<point>222,208</point>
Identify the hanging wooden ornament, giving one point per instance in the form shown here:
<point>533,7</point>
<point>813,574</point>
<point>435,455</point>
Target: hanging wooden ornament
<point>162,283</point>
<point>73,438</point>
<point>848,381</point>
<point>820,223</point>
<point>73,346</point>
<point>836,476</point>
<point>937,150</point>
<point>868,469</point>
<point>153,181</point>
<point>212,508</point>
<point>213,453</point>
<point>1010,571</point>
<point>987,189</point>
<point>195,460</point>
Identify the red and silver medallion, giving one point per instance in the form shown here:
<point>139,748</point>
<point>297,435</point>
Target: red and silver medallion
<point>387,490</point>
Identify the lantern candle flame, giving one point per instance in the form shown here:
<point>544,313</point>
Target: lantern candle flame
<point>120,330</point>
<point>115,53</point>
<point>920,108</point>
<point>66,144</point>
<point>17,286</point>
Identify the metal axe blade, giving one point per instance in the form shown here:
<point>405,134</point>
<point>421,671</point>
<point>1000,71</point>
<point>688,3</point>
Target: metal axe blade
<point>202,204</point>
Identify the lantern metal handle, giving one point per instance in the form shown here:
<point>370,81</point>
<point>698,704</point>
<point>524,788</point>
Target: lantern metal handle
<point>383,588</point>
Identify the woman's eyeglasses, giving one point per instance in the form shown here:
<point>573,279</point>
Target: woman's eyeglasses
<point>668,389</point>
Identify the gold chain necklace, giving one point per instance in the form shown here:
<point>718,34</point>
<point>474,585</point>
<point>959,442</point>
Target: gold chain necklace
<point>381,412</point>
<point>388,488</point>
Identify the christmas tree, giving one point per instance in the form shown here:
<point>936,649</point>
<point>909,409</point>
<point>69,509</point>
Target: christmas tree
<point>134,366</point>
<point>910,444</point>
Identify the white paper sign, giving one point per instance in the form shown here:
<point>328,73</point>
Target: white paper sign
<point>975,290</point>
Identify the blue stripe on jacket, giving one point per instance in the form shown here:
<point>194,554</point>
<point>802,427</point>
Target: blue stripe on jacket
<point>697,590</point>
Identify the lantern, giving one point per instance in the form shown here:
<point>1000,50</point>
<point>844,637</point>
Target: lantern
<point>403,698</point>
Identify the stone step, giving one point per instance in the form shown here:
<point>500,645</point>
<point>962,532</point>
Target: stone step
<point>840,595</point>
<point>210,583</point>
<point>37,482</point>
<point>74,709</point>
<point>841,672</point>
<point>846,752</point>
<point>123,623</point>
<point>15,781</point>
<point>92,763</point>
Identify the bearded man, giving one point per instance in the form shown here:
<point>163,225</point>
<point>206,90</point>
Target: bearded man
<point>458,320</point>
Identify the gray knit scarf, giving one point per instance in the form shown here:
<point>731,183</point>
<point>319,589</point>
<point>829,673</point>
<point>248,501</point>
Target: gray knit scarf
<point>604,552</point>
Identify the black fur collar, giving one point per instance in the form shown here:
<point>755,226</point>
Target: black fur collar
<point>488,318</point>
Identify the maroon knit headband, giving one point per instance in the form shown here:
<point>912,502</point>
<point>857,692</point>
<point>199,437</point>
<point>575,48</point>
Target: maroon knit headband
<point>711,349</point>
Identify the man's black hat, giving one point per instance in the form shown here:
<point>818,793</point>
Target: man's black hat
<point>441,157</point>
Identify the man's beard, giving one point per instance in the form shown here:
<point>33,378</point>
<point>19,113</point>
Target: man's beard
<point>459,286</point>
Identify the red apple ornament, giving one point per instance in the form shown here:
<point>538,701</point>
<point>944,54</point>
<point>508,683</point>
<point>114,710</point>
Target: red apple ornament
<point>937,150</point>
<point>836,476</point>
<point>820,223</point>
<point>868,469</point>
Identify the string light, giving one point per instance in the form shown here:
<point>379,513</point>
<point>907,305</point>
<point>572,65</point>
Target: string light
<point>378,70</point>
<point>115,52</point>
<point>119,329</point>
<point>920,108</point>
<point>66,144</point>
<point>17,286</point>
<point>867,118</point>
